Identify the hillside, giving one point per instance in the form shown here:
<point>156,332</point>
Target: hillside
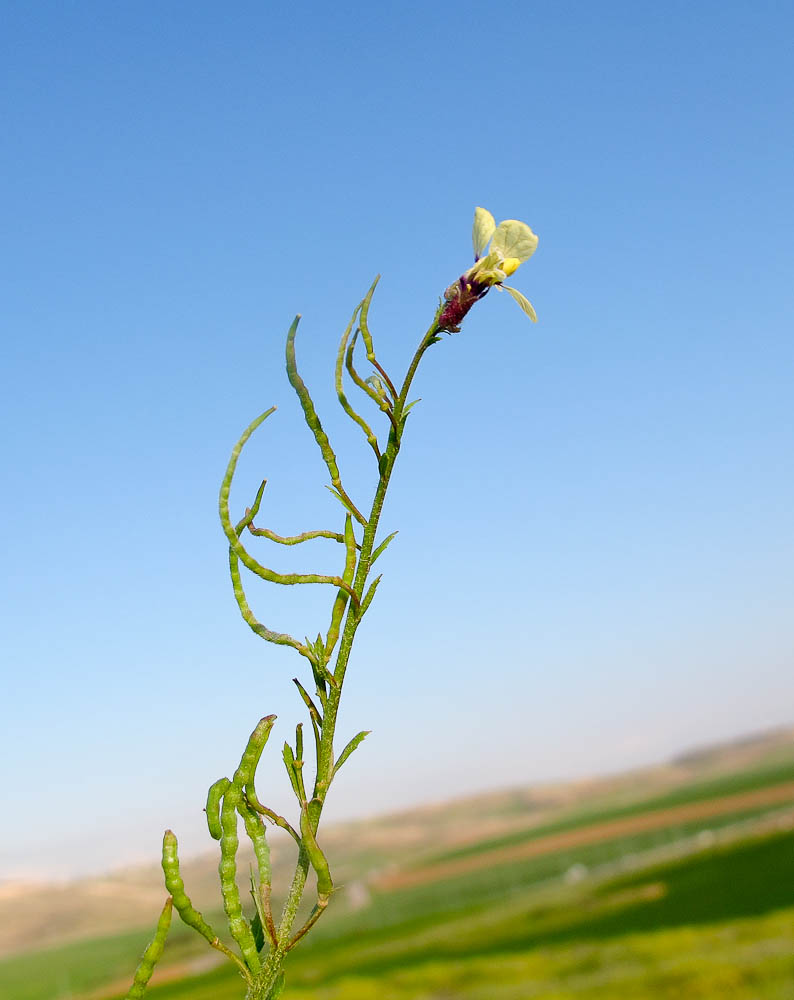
<point>445,840</point>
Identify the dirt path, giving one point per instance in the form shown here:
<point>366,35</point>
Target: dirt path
<point>597,832</point>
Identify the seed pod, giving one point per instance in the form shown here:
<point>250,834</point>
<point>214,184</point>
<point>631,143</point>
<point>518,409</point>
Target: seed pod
<point>340,392</point>
<point>310,415</point>
<point>227,870</point>
<point>151,955</point>
<point>316,857</point>
<point>341,598</point>
<point>175,885</point>
<point>255,829</point>
<point>261,890</point>
<point>253,751</point>
<point>213,810</point>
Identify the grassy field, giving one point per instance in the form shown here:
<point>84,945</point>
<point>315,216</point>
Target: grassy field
<point>645,907</point>
<point>717,924</point>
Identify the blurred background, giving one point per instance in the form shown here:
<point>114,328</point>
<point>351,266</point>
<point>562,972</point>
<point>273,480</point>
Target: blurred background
<point>578,669</point>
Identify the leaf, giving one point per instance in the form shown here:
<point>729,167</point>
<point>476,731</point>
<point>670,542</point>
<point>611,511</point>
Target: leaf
<point>514,239</point>
<point>482,231</point>
<point>257,924</point>
<point>356,741</point>
<point>346,503</point>
<point>292,771</point>
<point>382,547</point>
<point>524,302</point>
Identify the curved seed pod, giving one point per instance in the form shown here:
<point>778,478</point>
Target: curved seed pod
<point>213,808</point>
<point>252,800</point>
<point>382,404</point>
<point>305,536</point>
<point>341,598</point>
<point>340,390</point>
<point>175,885</point>
<point>151,955</point>
<point>367,336</point>
<point>316,857</point>
<point>279,638</point>
<point>253,751</point>
<point>185,909</point>
<point>260,891</point>
<point>227,870</point>
<point>255,829</point>
<point>310,415</point>
<point>232,535</point>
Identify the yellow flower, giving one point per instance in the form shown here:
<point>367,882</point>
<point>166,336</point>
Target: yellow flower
<point>511,243</point>
<point>498,252</point>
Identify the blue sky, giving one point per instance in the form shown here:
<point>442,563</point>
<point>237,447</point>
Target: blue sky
<point>594,561</point>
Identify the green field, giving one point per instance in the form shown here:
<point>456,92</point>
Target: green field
<point>718,924</point>
<point>654,914</point>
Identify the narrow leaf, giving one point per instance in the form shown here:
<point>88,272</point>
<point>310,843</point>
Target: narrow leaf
<point>351,746</point>
<point>382,547</point>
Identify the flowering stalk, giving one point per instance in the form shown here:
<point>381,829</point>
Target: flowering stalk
<point>262,941</point>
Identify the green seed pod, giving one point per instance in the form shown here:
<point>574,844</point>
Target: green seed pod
<point>151,955</point>
<point>261,889</point>
<point>316,857</point>
<point>213,809</point>
<point>340,392</point>
<point>255,829</point>
<point>227,869</point>
<point>175,885</point>
<point>341,598</point>
<point>253,751</point>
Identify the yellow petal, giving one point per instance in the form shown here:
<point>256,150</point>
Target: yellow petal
<point>510,265</point>
<point>514,239</point>
<point>525,304</point>
<point>482,231</point>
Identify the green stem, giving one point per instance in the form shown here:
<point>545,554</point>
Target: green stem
<point>271,968</point>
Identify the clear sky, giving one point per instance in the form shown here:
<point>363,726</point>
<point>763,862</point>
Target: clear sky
<point>594,565</point>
